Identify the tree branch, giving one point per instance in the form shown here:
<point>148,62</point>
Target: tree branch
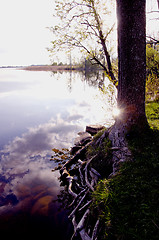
<point>153,39</point>
<point>83,13</point>
<point>153,12</point>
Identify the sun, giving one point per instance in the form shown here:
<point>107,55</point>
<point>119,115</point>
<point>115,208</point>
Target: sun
<point>116,112</point>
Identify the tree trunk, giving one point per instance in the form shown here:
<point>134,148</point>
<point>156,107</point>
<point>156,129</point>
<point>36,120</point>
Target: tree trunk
<point>132,62</point>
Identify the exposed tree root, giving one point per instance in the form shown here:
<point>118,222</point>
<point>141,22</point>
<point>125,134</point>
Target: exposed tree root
<point>86,178</point>
<point>78,205</point>
<point>94,234</point>
<point>80,154</point>
<point>120,151</point>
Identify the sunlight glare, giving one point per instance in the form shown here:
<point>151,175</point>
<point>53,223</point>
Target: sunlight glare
<point>116,112</point>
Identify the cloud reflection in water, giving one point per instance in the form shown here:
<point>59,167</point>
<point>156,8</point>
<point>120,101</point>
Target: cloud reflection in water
<point>26,158</point>
<point>27,185</point>
<point>28,188</point>
<point>29,155</point>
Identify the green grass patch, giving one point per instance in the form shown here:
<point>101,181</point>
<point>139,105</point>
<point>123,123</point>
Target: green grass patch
<point>128,203</point>
<point>152,112</point>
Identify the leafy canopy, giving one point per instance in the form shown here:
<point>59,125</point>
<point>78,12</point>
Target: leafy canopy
<point>87,25</point>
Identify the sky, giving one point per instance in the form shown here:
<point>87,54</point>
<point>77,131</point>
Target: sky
<point>24,36</point>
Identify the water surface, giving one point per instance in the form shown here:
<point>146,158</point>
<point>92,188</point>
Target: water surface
<point>41,111</point>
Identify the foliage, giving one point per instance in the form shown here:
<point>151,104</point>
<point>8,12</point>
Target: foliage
<point>128,202</point>
<point>152,112</point>
<point>152,66</point>
<point>152,87</point>
<point>152,60</point>
<point>60,157</point>
<point>86,25</point>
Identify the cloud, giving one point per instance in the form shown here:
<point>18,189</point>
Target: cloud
<point>2,51</point>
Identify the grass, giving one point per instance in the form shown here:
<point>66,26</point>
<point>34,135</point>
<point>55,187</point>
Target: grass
<point>128,203</point>
<point>152,112</point>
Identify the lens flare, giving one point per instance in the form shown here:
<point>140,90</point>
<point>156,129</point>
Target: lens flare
<point>116,112</point>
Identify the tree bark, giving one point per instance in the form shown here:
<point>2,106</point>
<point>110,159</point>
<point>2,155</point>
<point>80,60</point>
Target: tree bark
<point>132,62</point>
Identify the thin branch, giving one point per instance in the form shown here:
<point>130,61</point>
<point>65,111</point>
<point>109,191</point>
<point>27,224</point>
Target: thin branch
<point>91,29</point>
<point>91,26</point>
<point>155,224</point>
<point>80,15</point>
<point>152,12</point>
<point>153,39</point>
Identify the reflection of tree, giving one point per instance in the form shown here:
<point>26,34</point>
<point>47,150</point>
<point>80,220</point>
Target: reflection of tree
<point>92,78</point>
<point>69,82</point>
<point>95,78</point>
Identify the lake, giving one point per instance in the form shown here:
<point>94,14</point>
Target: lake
<point>41,111</point>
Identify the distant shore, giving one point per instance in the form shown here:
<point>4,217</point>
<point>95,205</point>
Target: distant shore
<point>49,68</point>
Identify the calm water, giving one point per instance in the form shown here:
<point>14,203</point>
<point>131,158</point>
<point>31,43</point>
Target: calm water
<point>40,111</point>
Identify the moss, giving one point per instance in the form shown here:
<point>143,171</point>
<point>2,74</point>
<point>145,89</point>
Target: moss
<point>127,204</point>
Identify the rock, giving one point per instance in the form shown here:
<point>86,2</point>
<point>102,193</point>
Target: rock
<point>81,133</point>
<point>93,129</point>
<point>84,138</point>
<point>74,149</point>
